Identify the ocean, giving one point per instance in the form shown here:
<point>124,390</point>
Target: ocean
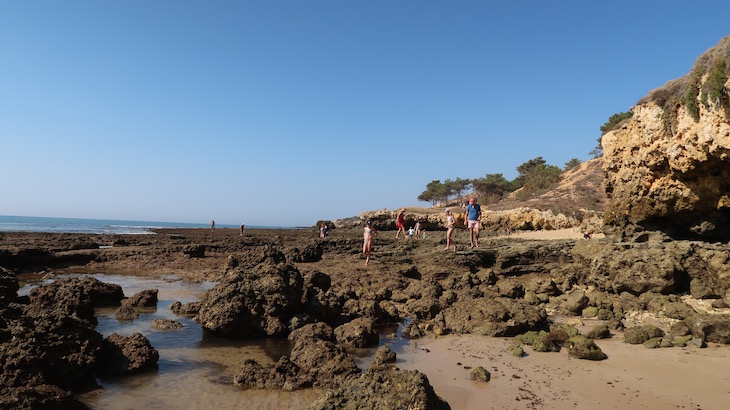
<point>96,226</point>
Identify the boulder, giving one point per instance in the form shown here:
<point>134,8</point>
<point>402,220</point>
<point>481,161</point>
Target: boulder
<point>583,348</point>
<point>383,388</point>
<point>74,297</point>
<point>358,333</point>
<point>327,364</point>
<point>494,316</point>
<point>480,374</point>
<point>384,355</point>
<point>187,309</point>
<point>166,324</point>
<point>127,355</point>
<point>250,303</point>
<point>145,298</point>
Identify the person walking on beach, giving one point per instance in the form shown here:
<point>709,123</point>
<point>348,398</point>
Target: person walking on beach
<point>242,229</point>
<point>472,219</point>
<point>369,234</point>
<point>323,231</point>
<point>450,225</point>
<point>212,225</point>
<point>400,222</point>
<point>418,230</point>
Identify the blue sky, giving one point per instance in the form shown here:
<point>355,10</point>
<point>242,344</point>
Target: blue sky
<point>285,112</point>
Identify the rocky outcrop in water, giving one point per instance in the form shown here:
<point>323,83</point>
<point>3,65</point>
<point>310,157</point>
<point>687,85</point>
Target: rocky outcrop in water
<point>74,297</point>
<point>668,167</point>
<point>315,359</point>
<point>122,355</point>
<point>256,302</point>
<point>49,347</point>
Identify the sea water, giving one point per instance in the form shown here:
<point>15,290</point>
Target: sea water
<point>92,226</point>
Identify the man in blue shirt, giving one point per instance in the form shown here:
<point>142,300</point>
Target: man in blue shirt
<point>471,220</point>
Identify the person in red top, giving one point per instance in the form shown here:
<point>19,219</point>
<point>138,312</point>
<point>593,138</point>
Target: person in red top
<point>400,222</point>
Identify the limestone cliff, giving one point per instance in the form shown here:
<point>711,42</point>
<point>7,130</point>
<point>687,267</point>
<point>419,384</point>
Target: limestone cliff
<point>497,221</point>
<point>668,167</point>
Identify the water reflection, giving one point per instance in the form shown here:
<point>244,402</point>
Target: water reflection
<point>195,369</point>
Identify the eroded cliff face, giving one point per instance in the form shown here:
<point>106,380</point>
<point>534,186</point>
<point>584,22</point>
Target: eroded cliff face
<point>669,171</point>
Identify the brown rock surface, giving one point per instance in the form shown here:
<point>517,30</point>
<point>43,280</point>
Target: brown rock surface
<point>668,170</point>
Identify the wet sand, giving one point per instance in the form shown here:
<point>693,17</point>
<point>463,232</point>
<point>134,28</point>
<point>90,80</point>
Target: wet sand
<point>632,377</point>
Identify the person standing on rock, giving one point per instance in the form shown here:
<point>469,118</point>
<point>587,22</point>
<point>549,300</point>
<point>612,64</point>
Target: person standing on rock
<point>212,225</point>
<point>418,230</point>
<point>450,225</point>
<point>369,234</point>
<point>243,229</point>
<point>400,222</point>
<point>472,219</point>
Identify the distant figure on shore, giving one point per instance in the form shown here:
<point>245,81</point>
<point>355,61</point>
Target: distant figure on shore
<point>410,233</point>
<point>588,234</point>
<point>243,229</point>
<point>417,233</point>
<point>400,221</point>
<point>323,231</point>
<point>471,219</point>
<point>369,234</point>
<point>508,231</point>
<point>450,225</point>
<point>212,225</point>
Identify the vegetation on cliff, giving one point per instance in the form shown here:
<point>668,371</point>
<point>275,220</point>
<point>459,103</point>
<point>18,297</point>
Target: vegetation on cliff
<point>706,80</point>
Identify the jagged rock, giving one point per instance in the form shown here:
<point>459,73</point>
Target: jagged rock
<point>145,298</point>
<point>311,252</point>
<point>127,313</point>
<point>583,348</point>
<point>252,303</point>
<point>127,355</point>
<point>574,303</point>
<point>41,396</point>
<point>384,355</point>
<point>640,334</point>
<point>188,309</point>
<point>516,351</point>
<point>494,316</point>
<point>711,328</point>
<point>194,251</point>
<point>383,388</point>
<point>358,333</point>
<point>327,364</point>
<point>480,374</point>
<point>74,297</point>
<point>599,332</point>
<point>8,286</point>
<point>166,324</point>
<point>45,347</point>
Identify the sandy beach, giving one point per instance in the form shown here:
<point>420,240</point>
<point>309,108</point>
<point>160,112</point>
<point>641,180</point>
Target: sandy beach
<point>633,377</point>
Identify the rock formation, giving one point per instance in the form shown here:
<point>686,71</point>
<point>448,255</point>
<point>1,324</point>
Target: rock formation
<point>668,167</point>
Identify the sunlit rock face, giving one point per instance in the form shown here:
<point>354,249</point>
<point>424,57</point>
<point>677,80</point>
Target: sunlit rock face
<point>668,167</point>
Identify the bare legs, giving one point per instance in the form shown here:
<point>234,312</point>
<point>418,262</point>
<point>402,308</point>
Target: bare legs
<point>449,242</point>
<point>474,233</point>
<point>366,248</point>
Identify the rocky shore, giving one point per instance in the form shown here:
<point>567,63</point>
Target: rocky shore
<point>319,294</point>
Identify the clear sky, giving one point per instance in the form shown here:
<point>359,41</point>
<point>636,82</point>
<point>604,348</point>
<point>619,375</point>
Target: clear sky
<point>285,112</point>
